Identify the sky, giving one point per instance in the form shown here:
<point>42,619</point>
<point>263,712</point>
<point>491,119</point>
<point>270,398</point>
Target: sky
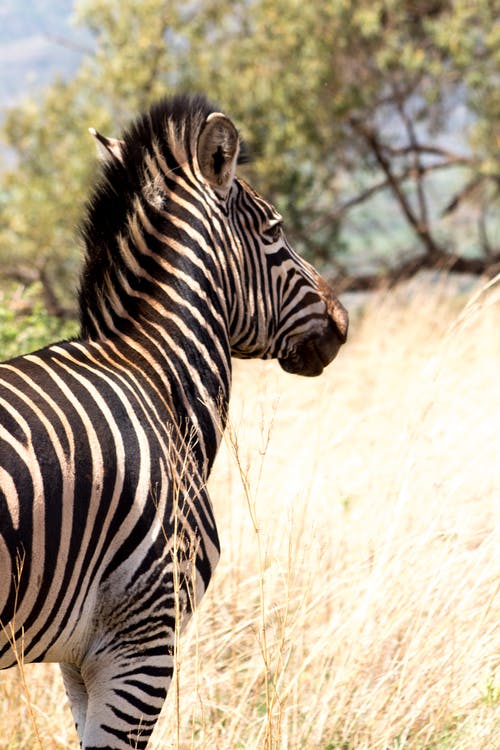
<point>37,43</point>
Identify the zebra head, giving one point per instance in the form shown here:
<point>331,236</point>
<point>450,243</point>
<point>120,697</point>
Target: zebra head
<point>275,303</point>
<point>287,310</point>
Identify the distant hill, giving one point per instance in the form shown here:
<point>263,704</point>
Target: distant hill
<point>36,45</point>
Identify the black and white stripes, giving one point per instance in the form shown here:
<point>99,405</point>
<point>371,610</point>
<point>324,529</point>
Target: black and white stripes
<point>107,535</point>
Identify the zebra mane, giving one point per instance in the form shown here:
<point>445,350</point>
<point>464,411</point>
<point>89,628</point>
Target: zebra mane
<point>121,180</point>
<point>173,125</point>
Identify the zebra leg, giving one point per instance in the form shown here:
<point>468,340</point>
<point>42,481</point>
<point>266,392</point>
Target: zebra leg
<point>126,693</point>
<point>77,694</point>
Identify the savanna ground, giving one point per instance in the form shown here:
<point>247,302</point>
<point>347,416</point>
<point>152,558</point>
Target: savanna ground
<point>357,602</point>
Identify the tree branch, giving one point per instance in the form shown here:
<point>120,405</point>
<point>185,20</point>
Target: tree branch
<point>420,228</point>
<point>424,148</point>
<point>445,262</point>
<point>71,44</point>
<point>466,190</point>
<point>417,163</point>
<point>365,195</point>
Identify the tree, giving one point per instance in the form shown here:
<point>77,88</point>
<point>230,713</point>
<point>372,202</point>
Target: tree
<point>343,104</point>
<point>349,100</point>
<point>43,196</point>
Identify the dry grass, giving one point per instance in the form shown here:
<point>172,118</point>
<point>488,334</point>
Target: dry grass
<point>357,601</point>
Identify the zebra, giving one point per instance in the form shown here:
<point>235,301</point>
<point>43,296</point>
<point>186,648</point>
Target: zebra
<point>107,533</point>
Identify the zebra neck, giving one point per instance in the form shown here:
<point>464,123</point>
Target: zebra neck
<point>182,360</point>
<point>175,344</point>
<point>157,290</point>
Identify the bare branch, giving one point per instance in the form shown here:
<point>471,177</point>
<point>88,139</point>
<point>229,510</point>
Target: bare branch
<point>365,195</point>
<point>487,266</point>
<point>63,41</point>
<point>423,148</point>
<point>467,189</point>
<point>420,228</point>
<point>417,164</point>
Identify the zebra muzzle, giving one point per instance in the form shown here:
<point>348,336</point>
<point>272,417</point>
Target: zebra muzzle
<point>310,355</point>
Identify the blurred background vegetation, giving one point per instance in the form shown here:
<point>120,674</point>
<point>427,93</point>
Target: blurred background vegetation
<point>374,126</point>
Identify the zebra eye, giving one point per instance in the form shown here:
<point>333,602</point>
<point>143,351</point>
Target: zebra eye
<point>273,232</point>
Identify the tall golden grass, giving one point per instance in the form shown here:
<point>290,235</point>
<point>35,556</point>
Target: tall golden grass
<point>357,601</point>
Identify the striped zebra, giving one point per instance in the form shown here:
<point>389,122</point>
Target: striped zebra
<point>107,534</point>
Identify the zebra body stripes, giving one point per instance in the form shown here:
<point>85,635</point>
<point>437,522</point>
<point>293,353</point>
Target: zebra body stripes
<point>107,533</point>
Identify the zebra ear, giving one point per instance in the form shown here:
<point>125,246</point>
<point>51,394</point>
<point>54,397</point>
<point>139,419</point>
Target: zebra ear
<point>108,149</point>
<point>217,151</point>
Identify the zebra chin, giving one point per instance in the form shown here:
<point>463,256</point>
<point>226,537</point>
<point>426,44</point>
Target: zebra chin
<point>310,355</point>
